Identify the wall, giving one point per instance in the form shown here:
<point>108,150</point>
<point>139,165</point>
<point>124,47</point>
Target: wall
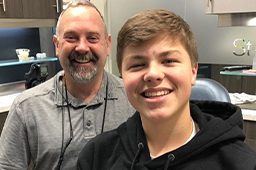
<point>120,10</point>
<point>215,44</point>
<point>102,7</point>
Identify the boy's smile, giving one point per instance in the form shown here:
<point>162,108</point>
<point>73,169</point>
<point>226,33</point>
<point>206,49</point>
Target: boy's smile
<point>154,94</point>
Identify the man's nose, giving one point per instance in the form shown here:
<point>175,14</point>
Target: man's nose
<point>83,46</point>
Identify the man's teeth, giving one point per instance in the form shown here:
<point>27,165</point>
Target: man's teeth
<point>82,60</point>
<point>157,93</point>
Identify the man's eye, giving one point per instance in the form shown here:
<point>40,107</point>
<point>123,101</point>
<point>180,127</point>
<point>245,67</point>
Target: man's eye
<point>70,38</point>
<point>93,39</point>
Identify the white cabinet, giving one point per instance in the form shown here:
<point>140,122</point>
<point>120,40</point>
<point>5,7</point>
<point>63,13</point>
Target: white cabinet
<point>230,6</point>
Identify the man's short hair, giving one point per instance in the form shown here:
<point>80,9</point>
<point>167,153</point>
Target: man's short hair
<point>75,3</point>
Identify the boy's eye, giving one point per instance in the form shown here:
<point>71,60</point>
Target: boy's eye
<point>168,61</point>
<point>136,66</point>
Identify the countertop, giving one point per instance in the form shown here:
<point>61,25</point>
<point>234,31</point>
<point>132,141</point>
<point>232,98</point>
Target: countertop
<point>249,114</point>
<point>8,92</point>
<point>6,101</point>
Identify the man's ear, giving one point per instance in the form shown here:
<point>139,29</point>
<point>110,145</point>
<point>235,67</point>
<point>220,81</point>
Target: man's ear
<point>56,43</point>
<point>108,41</point>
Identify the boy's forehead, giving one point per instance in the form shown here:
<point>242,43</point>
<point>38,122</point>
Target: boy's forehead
<point>157,46</point>
<point>163,39</point>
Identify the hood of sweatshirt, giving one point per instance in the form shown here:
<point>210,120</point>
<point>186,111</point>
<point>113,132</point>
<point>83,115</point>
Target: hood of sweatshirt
<point>218,123</point>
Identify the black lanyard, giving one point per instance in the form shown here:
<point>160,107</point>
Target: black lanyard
<point>65,99</point>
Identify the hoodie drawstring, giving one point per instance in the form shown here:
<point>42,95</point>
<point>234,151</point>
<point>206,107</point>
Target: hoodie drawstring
<point>137,156</point>
<point>171,157</point>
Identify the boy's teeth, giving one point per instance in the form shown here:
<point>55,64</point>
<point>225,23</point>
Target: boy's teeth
<point>156,94</point>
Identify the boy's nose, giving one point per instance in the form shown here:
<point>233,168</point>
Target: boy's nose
<point>154,74</point>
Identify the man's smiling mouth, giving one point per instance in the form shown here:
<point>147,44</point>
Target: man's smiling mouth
<point>156,93</point>
<point>83,60</point>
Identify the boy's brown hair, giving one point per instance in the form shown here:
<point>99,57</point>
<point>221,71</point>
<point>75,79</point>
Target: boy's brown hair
<point>146,25</point>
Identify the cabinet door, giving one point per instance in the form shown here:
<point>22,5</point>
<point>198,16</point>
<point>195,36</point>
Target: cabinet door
<point>11,9</point>
<point>230,6</point>
<point>42,9</point>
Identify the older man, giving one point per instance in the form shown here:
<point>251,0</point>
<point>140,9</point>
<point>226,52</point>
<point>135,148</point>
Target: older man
<point>50,123</point>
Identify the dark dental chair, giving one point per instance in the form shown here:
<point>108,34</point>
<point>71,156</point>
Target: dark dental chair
<point>208,89</point>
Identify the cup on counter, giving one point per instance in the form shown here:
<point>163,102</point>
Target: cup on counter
<point>22,54</point>
<point>40,55</point>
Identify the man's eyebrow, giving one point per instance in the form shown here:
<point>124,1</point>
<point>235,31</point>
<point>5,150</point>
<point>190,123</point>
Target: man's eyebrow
<point>69,32</point>
<point>88,33</point>
<point>93,33</point>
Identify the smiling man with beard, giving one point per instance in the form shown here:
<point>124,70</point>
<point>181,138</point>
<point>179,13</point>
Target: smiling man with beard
<point>50,123</point>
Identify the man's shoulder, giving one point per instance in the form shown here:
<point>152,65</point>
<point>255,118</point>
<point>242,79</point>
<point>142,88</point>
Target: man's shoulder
<point>39,90</point>
<point>115,80</point>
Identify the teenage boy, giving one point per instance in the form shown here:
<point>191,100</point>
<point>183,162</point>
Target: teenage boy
<point>158,60</point>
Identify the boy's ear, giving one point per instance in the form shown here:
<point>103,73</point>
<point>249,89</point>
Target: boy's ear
<point>194,73</point>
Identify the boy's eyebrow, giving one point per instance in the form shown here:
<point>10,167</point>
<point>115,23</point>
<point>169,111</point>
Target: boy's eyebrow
<point>165,53</point>
<point>134,57</point>
<point>161,54</point>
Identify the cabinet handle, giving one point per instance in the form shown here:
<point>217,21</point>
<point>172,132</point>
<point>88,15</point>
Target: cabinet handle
<point>3,3</point>
<point>210,5</point>
<point>57,6</point>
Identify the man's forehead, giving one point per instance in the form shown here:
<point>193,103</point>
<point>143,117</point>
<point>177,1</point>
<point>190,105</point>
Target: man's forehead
<point>77,13</point>
<point>77,10</point>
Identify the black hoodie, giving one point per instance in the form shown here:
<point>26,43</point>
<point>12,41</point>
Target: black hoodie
<point>217,146</point>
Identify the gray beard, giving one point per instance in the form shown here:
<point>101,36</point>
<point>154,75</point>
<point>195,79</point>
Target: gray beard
<point>82,74</point>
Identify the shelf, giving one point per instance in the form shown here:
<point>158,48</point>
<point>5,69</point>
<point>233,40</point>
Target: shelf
<point>13,62</point>
<point>236,73</point>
